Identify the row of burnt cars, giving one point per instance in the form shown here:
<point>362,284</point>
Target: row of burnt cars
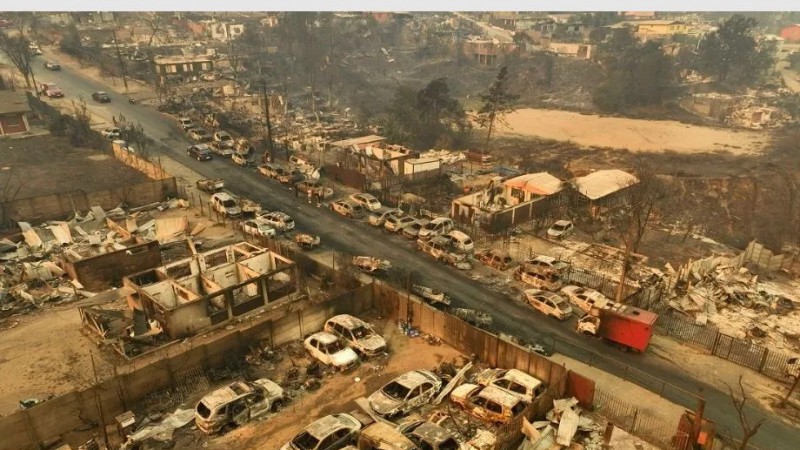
<point>403,414</point>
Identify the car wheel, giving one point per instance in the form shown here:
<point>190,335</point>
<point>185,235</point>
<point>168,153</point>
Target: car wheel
<point>277,405</point>
<point>198,158</point>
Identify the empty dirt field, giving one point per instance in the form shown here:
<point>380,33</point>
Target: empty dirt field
<point>632,134</point>
<point>41,165</point>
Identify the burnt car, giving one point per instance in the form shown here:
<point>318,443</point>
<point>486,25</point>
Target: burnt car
<point>333,432</point>
<point>405,393</point>
<point>489,404</point>
<point>357,333</point>
<point>237,403</point>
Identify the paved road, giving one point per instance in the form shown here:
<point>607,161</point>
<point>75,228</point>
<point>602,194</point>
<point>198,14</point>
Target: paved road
<point>510,316</point>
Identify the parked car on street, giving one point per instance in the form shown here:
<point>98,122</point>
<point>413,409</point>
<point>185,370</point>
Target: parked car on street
<point>200,152</point>
<point>495,259</point>
<point>221,150</point>
<point>405,393</point>
<point>367,201</point>
<point>185,123</point>
<point>461,241</point>
<point>50,90</point>
<point>50,65</point>
<point>395,224</point>
<point>513,381</point>
<point>358,334</point>
<point>199,135</point>
<point>544,263</point>
<point>348,209</point>
<point>378,217</point>
<point>315,187</point>
<point>226,205</point>
<point>111,133</point>
<point>257,228</point>
<point>548,303</point>
<point>489,404</point>
<point>333,432</point>
<point>371,265</point>
<point>440,248</point>
<point>538,279</point>
<point>586,299</point>
<point>412,231</point>
<point>278,220</point>
<point>560,229</point>
<point>274,172</point>
<point>437,227</point>
<point>101,97</point>
<point>327,349</point>
<point>237,403</point>
<point>223,139</point>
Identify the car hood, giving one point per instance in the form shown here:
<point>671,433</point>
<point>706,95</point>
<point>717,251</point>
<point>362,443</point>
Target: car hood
<point>372,343</point>
<point>344,357</point>
<point>382,403</point>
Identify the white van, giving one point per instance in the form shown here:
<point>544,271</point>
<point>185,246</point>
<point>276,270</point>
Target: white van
<point>461,241</point>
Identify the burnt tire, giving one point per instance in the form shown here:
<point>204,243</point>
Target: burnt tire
<point>277,406</point>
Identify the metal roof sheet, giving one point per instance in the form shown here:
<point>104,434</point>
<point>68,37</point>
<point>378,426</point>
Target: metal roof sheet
<point>600,183</point>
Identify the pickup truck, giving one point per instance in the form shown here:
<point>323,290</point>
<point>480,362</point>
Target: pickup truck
<point>211,185</point>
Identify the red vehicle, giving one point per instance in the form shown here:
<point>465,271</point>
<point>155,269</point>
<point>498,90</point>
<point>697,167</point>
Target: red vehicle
<point>627,326</point>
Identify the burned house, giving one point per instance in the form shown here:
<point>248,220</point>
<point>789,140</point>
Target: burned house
<point>182,298</point>
<point>180,69</point>
<point>504,204</point>
<point>14,108</point>
<point>603,189</point>
<point>369,161</point>
<point>487,51</point>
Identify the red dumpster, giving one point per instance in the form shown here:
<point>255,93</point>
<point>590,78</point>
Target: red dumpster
<point>628,326</point>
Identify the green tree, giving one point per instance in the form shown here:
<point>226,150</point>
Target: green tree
<point>426,118</point>
<point>732,53</point>
<point>637,74</point>
<point>498,102</point>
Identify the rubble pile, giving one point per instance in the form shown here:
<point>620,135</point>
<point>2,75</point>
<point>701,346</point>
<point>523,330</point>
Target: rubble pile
<point>567,425</point>
<point>736,303</point>
<point>32,264</point>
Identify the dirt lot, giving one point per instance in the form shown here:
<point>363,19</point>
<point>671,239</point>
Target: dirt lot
<point>44,165</point>
<point>44,354</point>
<point>632,134</point>
<point>338,393</point>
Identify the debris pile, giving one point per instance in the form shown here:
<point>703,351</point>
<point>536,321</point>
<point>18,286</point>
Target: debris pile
<point>36,265</point>
<point>735,302</point>
<point>566,425</point>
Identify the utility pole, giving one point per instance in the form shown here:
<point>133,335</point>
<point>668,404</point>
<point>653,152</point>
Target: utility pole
<point>120,61</point>
<point>98,402</point>
<point>270,147</point>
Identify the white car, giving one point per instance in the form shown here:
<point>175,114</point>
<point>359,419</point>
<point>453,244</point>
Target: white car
<point>111,133</point>
<point>378,218</point>
<point>405,393</point>
<point>357,333</point>
<point>332,432</point>
<point>560,229</point>
<point>548,303</point>
<point>543,263</point>
<point>258,228</point>
<point>278,220</point>
<point>436,227</point>
<point>368,201</point>
<point>327,349</point>
<point>586,299</point>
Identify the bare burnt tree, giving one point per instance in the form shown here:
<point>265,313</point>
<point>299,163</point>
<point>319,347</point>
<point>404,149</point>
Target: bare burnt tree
<point>642,201</point>
<point>748,430</point>
<point>17,50</point>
